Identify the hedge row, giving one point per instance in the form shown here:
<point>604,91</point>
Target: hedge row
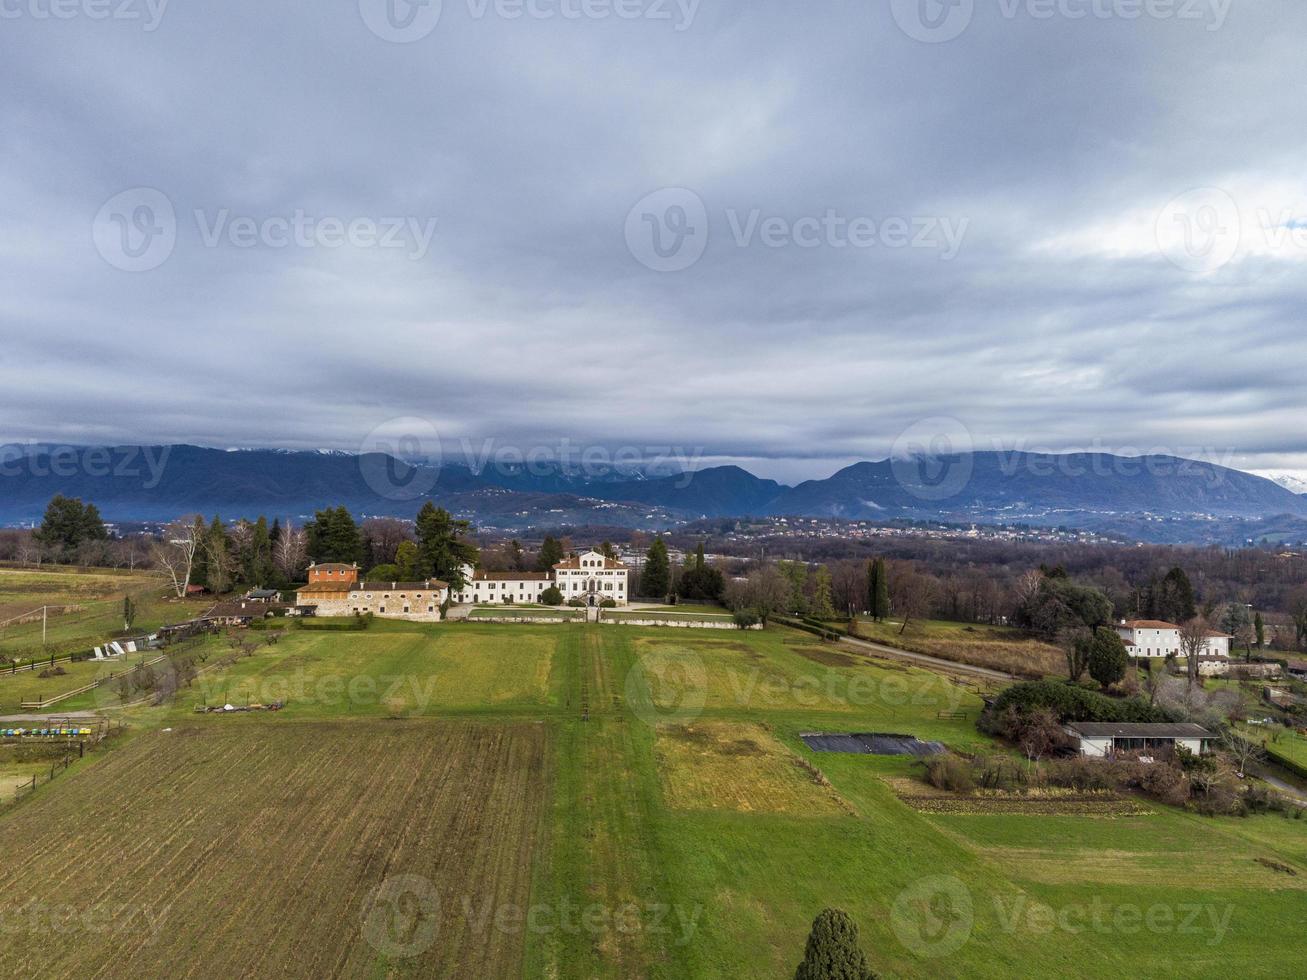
<point>1072,703</point>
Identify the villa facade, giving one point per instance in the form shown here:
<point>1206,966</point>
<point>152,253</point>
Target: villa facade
<point>335,589</point>
<point>1156,638</point>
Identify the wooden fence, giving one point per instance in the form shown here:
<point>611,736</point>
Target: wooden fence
<point>42,705</point>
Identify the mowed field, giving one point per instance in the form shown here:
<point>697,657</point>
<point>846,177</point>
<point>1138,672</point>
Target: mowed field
<point>258,850</point>
<point>643,794</point>
<point>995,647</point>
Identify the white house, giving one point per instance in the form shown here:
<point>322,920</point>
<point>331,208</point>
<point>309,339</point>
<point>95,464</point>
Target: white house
<point>1103,740</point>
<point>1157,638</point>
<point>590,577</point>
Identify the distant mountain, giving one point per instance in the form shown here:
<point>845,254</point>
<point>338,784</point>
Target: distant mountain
<point>132,483</point>
<point>1290,481</point>
<point>1038,487</point>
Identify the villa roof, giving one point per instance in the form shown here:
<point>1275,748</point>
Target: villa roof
<point>1149,624</point>
<point>334,566</point>
<point>511,576</point>
<point>1111,729</point>
<point>575,562</point>
<point>341,586</point>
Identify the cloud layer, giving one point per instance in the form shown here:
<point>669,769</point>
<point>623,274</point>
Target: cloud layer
<point>1079,230</point>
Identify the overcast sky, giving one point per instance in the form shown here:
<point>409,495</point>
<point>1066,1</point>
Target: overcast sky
<point>773,232</point>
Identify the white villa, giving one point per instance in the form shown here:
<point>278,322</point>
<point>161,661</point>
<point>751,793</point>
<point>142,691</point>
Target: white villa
<point>1156,638</point>
<point>335,589</point>
<point>589,576</point>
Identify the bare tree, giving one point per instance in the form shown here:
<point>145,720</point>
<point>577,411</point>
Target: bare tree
<point>764,593</point>
<point>1193,644</point>
<point>291,551</point>
<point>175,552</point>
<point>1243,748</point>
<point>909,593</point>
<point>1027,587</point>
<point>383,536</point>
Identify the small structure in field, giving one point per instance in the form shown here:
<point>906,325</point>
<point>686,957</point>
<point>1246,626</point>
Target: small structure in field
<point>1106,740</point>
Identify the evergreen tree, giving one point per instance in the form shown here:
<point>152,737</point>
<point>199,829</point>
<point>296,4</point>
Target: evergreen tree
<point>656,580</point>
<point>515,555</point>
<point>442,550</point>
<point>1108,658</point>
<point>1259,626</point>
<point>608,551</point>
<point>1172,599</point>
<point>406,561</point>
<point>551,553</point>
<point>823,607</point>
<point>698,581</point>
<point>68,523</point>
<point>833,952</point>
<point>334,537</point>
<point>877,590</point>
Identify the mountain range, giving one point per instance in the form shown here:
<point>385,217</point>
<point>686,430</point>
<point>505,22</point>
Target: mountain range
<point>158,483</point>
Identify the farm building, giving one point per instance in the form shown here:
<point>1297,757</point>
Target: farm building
<point>1108,739</point>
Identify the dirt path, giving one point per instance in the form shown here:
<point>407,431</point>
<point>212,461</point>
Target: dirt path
<point>937,663</point>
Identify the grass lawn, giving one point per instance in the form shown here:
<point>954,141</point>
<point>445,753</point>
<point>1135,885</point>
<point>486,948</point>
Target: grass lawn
<point>996,647</point>
<point>685,830</point>
<point>30,685</point>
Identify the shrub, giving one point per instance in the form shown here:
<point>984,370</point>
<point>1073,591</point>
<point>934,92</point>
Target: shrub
<point>1081,774</point>
<point>608,604</point>
<point>576,603</point>
<point>744,619</point>
<point>947,771</point>
<point>1069,703</point>
<point>551,596</point>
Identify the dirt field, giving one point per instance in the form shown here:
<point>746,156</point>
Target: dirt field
<point>222,850</point>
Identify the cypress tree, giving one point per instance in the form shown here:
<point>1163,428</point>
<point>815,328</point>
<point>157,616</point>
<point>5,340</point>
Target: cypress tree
<point>656,579</point>
<point>832,952</point>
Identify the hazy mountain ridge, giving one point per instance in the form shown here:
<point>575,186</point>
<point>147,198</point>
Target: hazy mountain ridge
<point>159,483</point>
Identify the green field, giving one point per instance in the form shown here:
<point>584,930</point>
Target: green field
<point>85,609</point>
<point>684,830</point>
